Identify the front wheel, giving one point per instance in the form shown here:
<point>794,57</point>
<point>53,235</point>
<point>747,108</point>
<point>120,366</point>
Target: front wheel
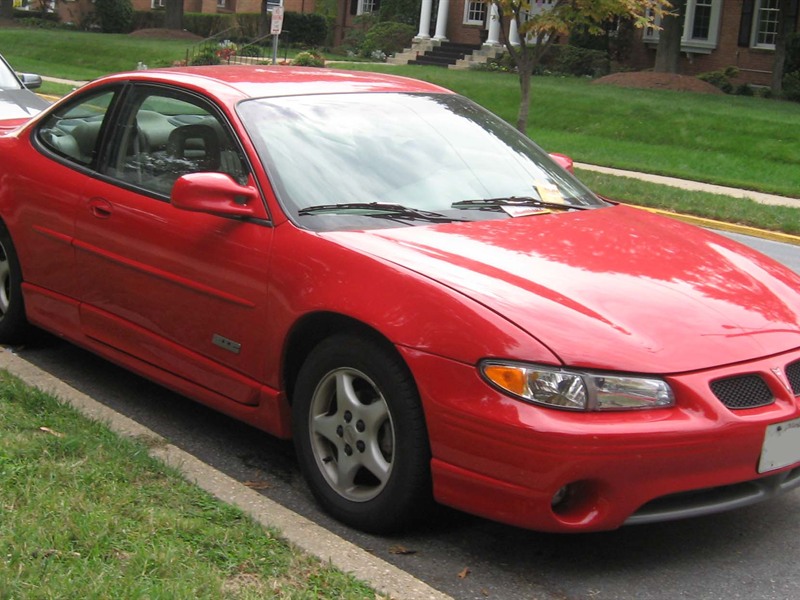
<point>360,434</point>
<point>13,324</point>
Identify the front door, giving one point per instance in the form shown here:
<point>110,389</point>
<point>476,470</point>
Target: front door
<point>184,292</point>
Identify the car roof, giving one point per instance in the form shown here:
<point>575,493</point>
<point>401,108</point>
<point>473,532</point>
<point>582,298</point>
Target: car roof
<point>271,81</point>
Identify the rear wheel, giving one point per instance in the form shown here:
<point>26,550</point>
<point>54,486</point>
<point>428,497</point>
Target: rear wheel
<point>13,324</point>
<point>360,434</point>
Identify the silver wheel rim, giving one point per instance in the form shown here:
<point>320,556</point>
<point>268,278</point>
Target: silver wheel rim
<point>5,282</point>
<point>352,435</point>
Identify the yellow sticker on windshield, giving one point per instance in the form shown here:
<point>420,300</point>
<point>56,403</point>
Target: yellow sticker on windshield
<point>548,192</point>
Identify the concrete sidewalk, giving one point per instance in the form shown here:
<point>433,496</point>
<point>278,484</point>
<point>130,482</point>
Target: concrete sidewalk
<point>696,186</point>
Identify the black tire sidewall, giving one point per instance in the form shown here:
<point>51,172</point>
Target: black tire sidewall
<point>13,324</point>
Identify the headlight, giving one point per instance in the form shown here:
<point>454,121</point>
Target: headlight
<point>577,390</point>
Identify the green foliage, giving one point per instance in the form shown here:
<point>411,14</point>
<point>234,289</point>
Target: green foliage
<point>308,59</point>
<point>305,30</point>
<point>355,36</point>
<point>791,86</point>
<point>114,16</point>
<point>400,11</point>
<point>792,63</point>
<point>207,24</point>
<point>148,19</point>
<point>206,56</point>
<point>386,38</point>
<point>721,78</point>
<point>579,62</point>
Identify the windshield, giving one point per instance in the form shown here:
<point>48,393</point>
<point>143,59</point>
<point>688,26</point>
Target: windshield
<point>8,81</point>
<point>352,160</point>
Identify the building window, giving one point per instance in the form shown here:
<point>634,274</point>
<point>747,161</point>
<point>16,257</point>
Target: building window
<point>701,19</point>
<point>157,3</point>
<point>700,26</point>
<point>366,7</point>
<point>474,12</point>
<point>765,25</point>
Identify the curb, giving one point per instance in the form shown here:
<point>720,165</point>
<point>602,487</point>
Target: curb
<point>773,236</point>
<point>295,529</point>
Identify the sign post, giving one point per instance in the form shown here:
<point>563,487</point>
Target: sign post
<point>275,30</point>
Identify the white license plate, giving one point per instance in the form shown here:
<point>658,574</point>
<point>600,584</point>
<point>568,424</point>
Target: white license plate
<point>781,446</point>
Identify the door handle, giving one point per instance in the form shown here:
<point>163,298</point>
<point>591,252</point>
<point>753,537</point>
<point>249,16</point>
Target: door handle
<point>100,208</point>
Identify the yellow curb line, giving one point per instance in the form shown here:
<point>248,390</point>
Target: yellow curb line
<point>774,236</point>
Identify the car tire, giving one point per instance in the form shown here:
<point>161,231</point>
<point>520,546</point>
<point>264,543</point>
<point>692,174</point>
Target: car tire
<point>13,324</point>
<point>360,435</point>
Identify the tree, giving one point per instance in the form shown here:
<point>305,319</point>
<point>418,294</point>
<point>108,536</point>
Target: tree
<point>6,9</point>
<point>785,27</point>
<point>668,52</point>
<point>539,31</point>
<point>173,16</point>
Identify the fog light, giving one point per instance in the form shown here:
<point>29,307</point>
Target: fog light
<point>559,496</point>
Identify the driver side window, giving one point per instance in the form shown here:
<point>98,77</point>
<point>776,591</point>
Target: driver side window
<point>74,133</point>
<point>165,137</point>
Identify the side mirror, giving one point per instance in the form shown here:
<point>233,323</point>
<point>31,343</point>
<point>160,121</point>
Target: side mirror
<point>30,81</point>
<point>563,161</point>
<point>214,193</point>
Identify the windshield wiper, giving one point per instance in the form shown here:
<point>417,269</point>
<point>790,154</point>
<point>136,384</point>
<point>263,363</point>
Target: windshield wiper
<point>499,203</point>
<point>383,210</point>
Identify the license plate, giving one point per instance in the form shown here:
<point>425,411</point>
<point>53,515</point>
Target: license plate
<point>781,446</point>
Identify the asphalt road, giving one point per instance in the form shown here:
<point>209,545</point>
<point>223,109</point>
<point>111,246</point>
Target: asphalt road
<point>749,554</point>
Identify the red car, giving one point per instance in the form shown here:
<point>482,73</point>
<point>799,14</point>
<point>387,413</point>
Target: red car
<point>417,294</point>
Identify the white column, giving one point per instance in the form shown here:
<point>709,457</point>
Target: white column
<point>494,26</point>
<point>441,21</point>
<point>513,33</point>
<point>425,20</point>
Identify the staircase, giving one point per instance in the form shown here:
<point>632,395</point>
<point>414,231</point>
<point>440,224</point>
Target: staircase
<point>445,54</point>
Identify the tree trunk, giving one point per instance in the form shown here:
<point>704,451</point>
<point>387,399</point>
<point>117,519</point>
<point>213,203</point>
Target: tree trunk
<point>525,74</point>
<point>668,53</point>
<point>6,9</point>
<point>173,17</point>
<point>785,27</point>
<point>264,23</point>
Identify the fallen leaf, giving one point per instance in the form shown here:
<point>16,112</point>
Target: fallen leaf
<point>464,572</point>
<point>50,431</point>
<point>402,550</point>
<point>257,485</point>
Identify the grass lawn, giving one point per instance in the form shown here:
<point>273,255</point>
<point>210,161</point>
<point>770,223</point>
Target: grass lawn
<point>86,514</point>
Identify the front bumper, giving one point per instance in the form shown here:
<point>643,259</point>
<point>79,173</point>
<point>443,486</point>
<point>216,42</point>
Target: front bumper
<point>552,470</point>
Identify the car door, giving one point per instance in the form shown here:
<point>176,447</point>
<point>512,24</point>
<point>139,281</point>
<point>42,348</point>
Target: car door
<point>46,180</point>
<point>182,291</point>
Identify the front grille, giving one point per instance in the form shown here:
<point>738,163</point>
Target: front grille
<point>793,374</point>
<point>742,391</point>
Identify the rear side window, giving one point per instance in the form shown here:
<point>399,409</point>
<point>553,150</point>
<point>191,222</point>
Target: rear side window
<point>73,132</point>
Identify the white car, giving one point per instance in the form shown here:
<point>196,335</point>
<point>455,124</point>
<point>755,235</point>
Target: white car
<point>17,102</point>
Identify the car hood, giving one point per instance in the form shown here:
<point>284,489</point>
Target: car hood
<point>17,106</point>
<point>613,288</point>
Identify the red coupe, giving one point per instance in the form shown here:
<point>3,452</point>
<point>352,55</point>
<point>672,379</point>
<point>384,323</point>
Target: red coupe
<point>420,296</point>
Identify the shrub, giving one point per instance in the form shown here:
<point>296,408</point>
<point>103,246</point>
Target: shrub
<point>400,11</point>
<point>579,62</point>
<point>308,59</point>
<point>791,86</point>
<point>207,55</point>
<point>207,24</point>
<point>387,38</point>
<point>306,30</point>
<point>721,79</point>
<point>114,16</point>
<point>148,19</point>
